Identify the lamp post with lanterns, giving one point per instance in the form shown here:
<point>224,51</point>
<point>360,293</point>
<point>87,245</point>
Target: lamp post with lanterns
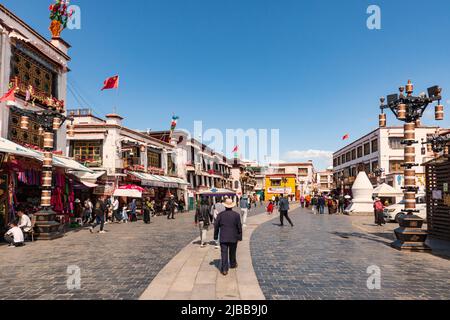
<point>49,121</point>
<point>410,109</point>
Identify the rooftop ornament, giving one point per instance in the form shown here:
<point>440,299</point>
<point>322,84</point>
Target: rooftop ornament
<point>60,15</point>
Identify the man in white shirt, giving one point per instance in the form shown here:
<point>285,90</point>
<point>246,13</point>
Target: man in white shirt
<point>24,221</point>
<point>115,204</point>
<point>14,236</point>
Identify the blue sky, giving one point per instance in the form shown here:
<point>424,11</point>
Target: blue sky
<point>309,68</point>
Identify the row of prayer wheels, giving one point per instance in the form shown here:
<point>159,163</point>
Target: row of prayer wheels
<point>25,124</point>
<point>402,111</point>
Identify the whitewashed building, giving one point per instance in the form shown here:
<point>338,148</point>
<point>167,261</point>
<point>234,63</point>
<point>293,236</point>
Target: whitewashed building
<point>380,149</point>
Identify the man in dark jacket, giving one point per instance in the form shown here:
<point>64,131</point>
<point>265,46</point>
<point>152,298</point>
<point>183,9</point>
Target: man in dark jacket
<point>229,225</point>
<point>284,210</point>
<point>203,220</point>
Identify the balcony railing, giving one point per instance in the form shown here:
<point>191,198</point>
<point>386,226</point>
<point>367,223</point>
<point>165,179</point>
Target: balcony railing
<point>91,162</point>
<point>37,96</point>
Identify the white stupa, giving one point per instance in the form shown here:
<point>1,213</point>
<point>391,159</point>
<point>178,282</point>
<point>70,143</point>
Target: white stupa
<point>362,203</point>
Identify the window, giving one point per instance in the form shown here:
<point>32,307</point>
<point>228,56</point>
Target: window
<point>88,152</point>
<point>354,154</point>
<point>396,143</point>
<point>303,172</point>
<point>275,183</point>
<point>366,149</point>
<point>348,157</point>
<point>171,168</point>
<point>343,159</point>
<point>339,161</point>
<point>25,137</point>
<point>153,159</point>
<point>360,152</point>
<point>375,145</point>
<point>395,166</point>
<point>374,166</point>
<point>367,167</point>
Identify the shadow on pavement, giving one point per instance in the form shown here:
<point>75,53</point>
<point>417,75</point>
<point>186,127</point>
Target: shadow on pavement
<point>346,235</point>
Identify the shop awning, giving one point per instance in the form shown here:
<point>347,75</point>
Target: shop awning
<point>152,180</point>
<point>87,176</point>
<point>217,192</point>
<point>129,191</point>
<point>10,147</point>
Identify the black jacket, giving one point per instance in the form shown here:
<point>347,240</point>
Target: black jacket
<point>284,204</point>
<point>230,227</point>
<point>202,214</point>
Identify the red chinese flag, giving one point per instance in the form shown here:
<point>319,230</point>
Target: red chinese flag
<point>9,96</point>
<point>346,137</point>
<point>236,149</point>
<point>111,83</point>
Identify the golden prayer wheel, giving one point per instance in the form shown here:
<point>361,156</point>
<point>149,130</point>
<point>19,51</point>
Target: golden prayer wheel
<point>383,120</point>
<point>410,178</point>
<point>56,123</point>
<point>401,111</point>
<point>47,179</point>
<point>48,140</point>
<point>46,198</point>
<point>71,130</point>
<point>410,134</point>
<point>439,112</point>
<point>24,122</point>
<point>410,154</point>
<point>48,160</point>
<point>410,200</point>
<point>409,87</point>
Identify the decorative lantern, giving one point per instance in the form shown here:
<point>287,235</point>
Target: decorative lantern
<point>439,112</point>
<point>56,123</point>
<point>401,112</point>
<point>383,120</point>
<point>48,140</point>
<point>24,121</point>
<point>71,130</point>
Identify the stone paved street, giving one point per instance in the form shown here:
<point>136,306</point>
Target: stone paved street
<point>326,257</point>
<point>116,265</point>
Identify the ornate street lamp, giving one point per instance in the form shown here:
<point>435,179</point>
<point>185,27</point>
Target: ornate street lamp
<point>410,109</point>
<point>49,121</point>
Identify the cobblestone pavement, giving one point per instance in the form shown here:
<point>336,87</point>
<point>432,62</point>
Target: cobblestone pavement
<point>116,265</point>
<point>326,257</point>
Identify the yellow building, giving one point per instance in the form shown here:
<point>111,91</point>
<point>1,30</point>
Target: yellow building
<point>280,184</point>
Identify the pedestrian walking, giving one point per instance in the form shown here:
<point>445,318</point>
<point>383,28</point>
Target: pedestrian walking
<point>243,205</point>
<point>229,225</point>
<point>203,220</point>
<point>133,210</point>
<point>277,201</point>
<point>270,207</point>
<point>171,207</point>
<point>379,212</point>
<point>321,203</point>
<point>116,214</point>
<point>217,209</point>
<point>124,214</point>
<point>87,214</point>
<point>146,208</point>
<point>284,211</point>
<point>99,211</point>
<point>302,201</point>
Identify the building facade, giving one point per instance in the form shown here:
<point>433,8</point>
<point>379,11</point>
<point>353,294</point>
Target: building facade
<point>324,181</point>
<point>305,176</point>
<point>380,154</point>
<point>206,171</point>
<point>121,156</point>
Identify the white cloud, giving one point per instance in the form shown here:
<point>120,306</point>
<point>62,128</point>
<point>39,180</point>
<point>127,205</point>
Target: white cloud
<point>308,154</point>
